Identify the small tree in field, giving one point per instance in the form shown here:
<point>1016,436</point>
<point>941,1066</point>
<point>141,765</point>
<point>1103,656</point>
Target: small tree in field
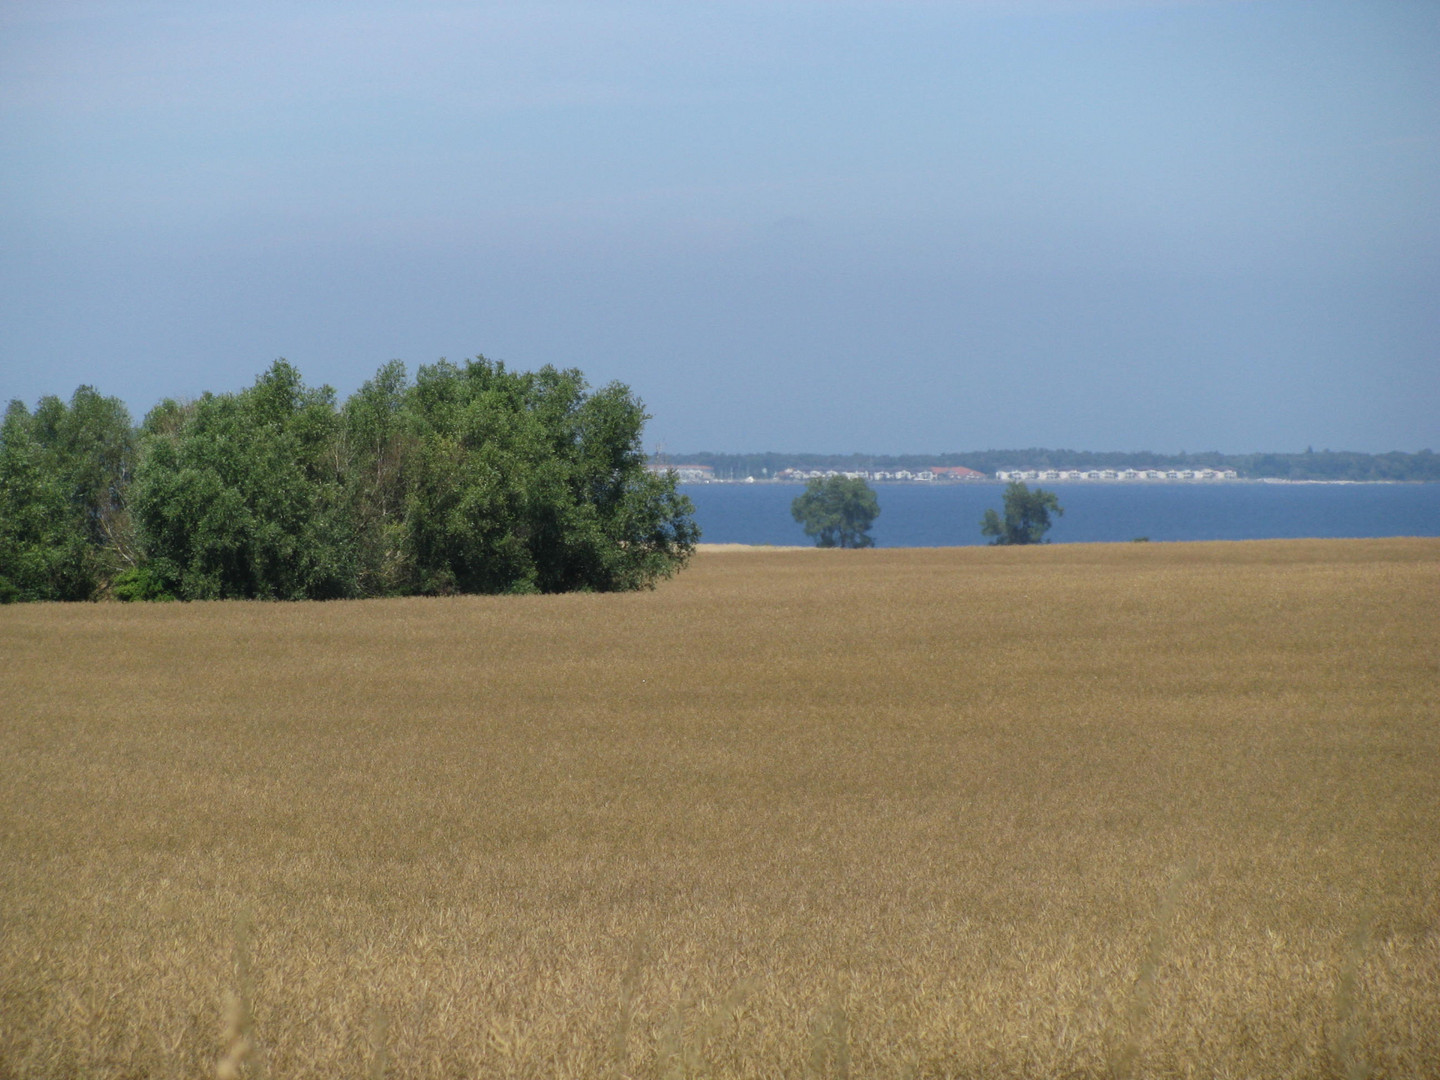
<point>1027,516</point>
<point>838,511</point>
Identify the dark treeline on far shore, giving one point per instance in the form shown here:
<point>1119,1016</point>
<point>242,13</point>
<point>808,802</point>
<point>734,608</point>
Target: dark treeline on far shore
<point>1309,465</point>
<point>468,479</point>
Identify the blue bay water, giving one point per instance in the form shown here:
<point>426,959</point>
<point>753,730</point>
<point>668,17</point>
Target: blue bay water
<point>948,515</point>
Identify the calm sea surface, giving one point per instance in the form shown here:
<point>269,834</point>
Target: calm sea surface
<point>919,515</point>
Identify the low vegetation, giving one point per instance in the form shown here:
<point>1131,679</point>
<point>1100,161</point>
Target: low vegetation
<point>1153,810</point>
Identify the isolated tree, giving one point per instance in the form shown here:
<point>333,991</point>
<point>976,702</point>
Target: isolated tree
<point>837,511</point>
<point>1027,516</point>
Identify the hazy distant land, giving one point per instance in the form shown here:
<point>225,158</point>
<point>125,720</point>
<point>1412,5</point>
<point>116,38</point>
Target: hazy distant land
<point>1310,465</point>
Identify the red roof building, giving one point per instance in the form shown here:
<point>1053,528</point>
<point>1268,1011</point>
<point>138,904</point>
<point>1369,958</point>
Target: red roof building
<point>956,472</point>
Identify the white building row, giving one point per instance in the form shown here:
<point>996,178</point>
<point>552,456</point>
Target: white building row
<point>936,472</point>
<point>854,474</point>
<point>685,474</point>
<point>1117,474</point>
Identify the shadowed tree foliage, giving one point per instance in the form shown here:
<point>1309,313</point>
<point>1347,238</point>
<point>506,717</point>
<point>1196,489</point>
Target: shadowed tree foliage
<point>1027,516</point>
<point>479,479</point>
<point>64,470</point>
<point>837,511</point>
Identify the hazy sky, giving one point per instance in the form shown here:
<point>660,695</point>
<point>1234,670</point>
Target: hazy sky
<point>880,225</point>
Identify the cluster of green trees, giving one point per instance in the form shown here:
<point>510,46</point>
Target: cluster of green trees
<point>470,478</point>
<point>1309,465</point>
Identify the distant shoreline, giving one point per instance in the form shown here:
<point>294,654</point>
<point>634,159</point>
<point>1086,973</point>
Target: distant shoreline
<point>723,549</point>
<point>924,515</point>
<point>1041,464</point>
<point>990,481</point>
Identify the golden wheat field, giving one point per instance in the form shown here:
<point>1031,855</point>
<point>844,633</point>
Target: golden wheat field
<point>1159,810</point>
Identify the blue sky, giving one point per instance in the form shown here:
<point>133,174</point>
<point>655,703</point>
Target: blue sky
<point>828,226</point>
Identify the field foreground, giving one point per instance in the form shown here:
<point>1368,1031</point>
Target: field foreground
<point>1079,811</point>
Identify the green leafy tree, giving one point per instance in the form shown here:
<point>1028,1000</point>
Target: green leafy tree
<point>64,470</point>
<point>1027,516</point>
<point>242,495</point>
<point>481,479</point>
<point>378,444</point>
<point>837,511</point>
<point>95,447</point>
<point>39,558</point>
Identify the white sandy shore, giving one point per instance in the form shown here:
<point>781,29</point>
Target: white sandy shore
<point>750,547</point>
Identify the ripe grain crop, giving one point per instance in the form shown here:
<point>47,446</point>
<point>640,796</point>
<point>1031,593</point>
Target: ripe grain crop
<point>1078,811</point>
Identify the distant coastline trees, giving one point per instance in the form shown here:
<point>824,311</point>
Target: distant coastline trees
<point>472,478</point>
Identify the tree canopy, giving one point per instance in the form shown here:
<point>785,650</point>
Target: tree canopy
<point>64,470</point>
<point>1027,516</point>
<point>479,479</point>
<point>471,478</point>
<point>242,495</point>
<point>837,511</point>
